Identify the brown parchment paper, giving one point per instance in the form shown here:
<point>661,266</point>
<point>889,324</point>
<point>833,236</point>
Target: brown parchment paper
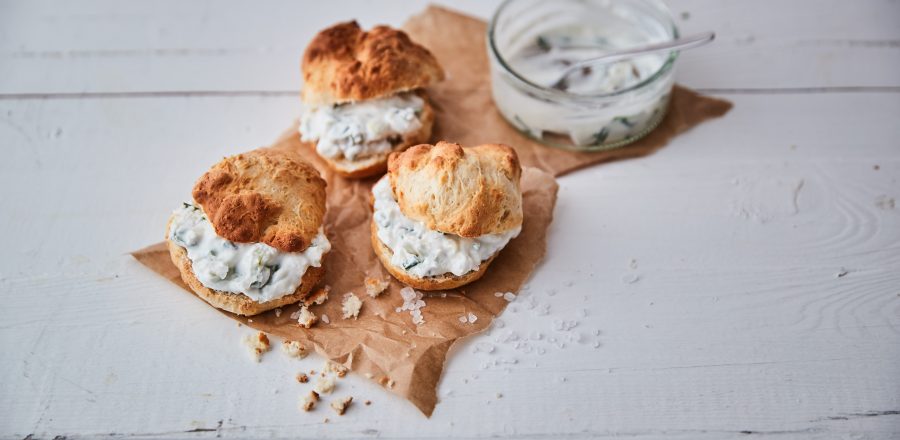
<point>407,359</point>
<point>466,114</point>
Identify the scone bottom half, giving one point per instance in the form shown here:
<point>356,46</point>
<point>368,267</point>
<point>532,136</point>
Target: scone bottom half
<point>376,164</point>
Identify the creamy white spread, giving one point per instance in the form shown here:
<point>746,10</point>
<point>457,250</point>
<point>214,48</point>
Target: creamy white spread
<point>257,270</point>
<point>362,129</point>
<point>542,52</point>
<point>423,252</point>
<point>558,48</point>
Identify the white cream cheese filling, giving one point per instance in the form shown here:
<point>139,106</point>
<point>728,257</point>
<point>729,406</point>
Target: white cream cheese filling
<point>257,270</point>
<point>423,252</point>
<point>361,129</point>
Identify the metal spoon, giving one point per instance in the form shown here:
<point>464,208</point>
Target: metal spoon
<point>683,43</point>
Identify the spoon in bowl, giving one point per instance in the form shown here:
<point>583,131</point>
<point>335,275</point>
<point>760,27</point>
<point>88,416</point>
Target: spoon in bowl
<point>683,43</point>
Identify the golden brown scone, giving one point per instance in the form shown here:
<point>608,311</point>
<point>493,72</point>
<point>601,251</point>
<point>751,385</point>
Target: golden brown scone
<point>441,282</point>
<point>343,64</point>
<point>263,196</point>
<point>237,303</point>
<point>377,164</point>
<point>463,191</point>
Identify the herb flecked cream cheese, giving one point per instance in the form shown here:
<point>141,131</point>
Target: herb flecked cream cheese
<point>362,129</point>
<point>423,252</point>
<point>257,270</point>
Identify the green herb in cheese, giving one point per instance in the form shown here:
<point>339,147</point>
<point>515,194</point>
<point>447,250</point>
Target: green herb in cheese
<point>423,252</point>
<point>362,129</point>
<point>257,270</point>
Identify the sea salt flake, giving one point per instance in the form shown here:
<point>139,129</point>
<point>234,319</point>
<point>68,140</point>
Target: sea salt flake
<point>413,302</point>
<point>630,278</point>
<point>483,347</point>
<point>509,296</point>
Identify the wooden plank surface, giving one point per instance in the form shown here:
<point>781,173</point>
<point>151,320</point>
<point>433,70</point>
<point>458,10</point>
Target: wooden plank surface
<point>743,281</point>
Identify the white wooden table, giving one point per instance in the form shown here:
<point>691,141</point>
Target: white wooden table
<point>744,281</point>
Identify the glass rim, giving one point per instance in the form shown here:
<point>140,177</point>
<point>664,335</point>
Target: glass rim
<point>557,93</point>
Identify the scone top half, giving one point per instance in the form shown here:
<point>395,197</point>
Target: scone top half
<point>364,96</point>
<point>443,212</point>
<point>252,239</point>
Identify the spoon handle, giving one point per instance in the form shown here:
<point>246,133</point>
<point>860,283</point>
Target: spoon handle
<point>688,42</point>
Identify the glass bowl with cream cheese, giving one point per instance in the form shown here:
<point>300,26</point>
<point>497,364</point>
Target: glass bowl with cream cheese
<point>531,43</point>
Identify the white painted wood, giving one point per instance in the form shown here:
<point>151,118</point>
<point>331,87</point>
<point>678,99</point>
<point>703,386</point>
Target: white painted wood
<point>104,46</point>
<point>732,321</point>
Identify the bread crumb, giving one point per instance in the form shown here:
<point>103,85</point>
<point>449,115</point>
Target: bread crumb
<point>257,344</point>
<point>351,305</point>
<point>336,368</point>
<point>390,383</point>
<point>340,406</point>
<point>325,319</point>
<point>294,349</point>
<point>317,298</point>
<point>374,286</point>
<point>302,378</point>
<point>368,402</point>
<point>325,385</point>
<point>325,420</point>
<point>304,317</point>
<point>312,372</point>
<point>309,402</point>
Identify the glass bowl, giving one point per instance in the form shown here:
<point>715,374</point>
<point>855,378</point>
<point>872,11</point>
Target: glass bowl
<point>531,42</point>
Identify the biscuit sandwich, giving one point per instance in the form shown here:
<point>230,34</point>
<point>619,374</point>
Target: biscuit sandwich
<point>364,96</point>
<point>443,213</point>
<point>252,239</point>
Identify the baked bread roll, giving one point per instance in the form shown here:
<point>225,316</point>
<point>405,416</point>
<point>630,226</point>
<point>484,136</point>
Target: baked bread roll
<point>364,96</point>
<point>252,240</point>
<point>443,213</point>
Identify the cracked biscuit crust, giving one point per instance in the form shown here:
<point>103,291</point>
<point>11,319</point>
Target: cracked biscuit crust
<point>263,196</point>
<point>468,192</point>
<point>343,63</point>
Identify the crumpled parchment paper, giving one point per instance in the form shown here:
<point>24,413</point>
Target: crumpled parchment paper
<point>384,344</point>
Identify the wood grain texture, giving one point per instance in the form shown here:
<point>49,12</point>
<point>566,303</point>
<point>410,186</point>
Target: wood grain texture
<point>743,282</point>
<point>103,46</point>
